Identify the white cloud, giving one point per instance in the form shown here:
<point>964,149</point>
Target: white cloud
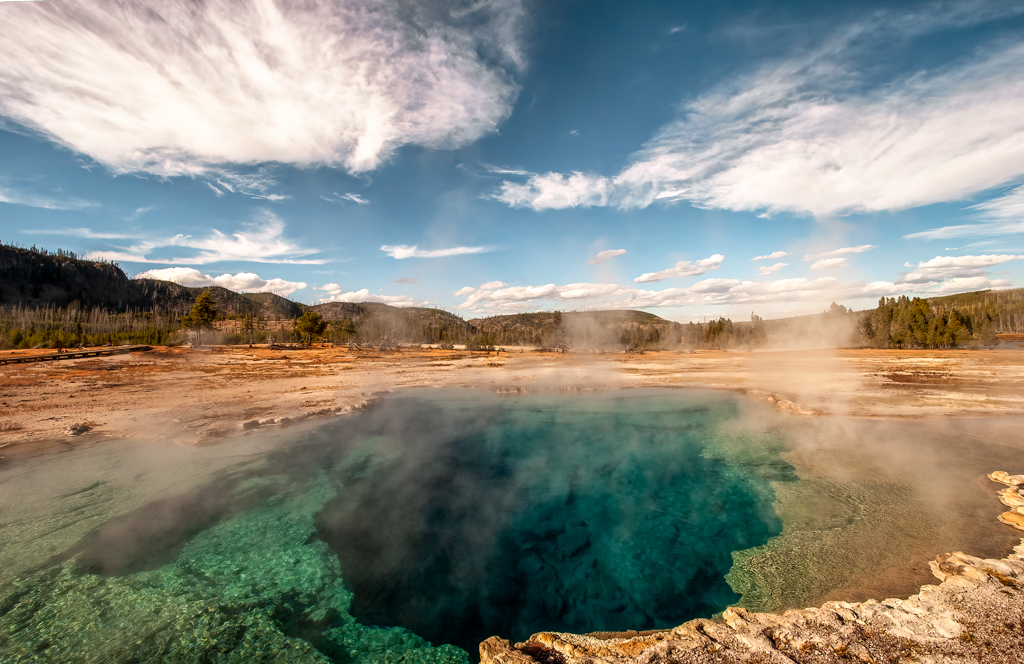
<point>555,191</point>
<point>963,284</point>
<point>19,196</point>
<point>607,254</point>
<point>338,198</point>
<point>243,282</point>
<point>489,299</point>
<point>969,230</point>
<point>261,241</point>
<point>828,263</point>
<point>79,232</point>
<point>804,135</point>
<point>683,269</point>
<point>403,251</point>
<point>335,294</point>
<point>771,256</point>
<point>464,291</point>
<point>765,270</point>
<point>1006,215</point>
<point>841,252</point>
<point>987,260</point>
<point>178,88</point>
<point>955,269</point>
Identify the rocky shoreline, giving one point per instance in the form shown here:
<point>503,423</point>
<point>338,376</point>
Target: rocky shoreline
<point>976,614</point>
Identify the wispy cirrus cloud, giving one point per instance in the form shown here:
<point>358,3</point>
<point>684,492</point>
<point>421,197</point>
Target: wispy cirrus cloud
<point>843,251</point>
<point>606,255</point>
<point>350,197</point>
<point>403,251</point>
<point>242,282</point>
<point>805,135</point>
<point>261,241</point>
<point>828,263</point>
<point>1004,215</point>
<point>183,88</point>
<point>683,269</point>
<point>27,194</point>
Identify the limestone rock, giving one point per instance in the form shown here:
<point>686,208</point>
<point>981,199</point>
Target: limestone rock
<point>1011,497</point>
<point>1003,477</point>
<point>1014,519</point>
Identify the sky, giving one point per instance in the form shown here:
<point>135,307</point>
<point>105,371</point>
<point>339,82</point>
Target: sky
<point>691,159</point>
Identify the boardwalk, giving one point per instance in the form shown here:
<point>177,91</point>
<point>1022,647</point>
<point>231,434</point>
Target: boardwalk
<point>73,355</point>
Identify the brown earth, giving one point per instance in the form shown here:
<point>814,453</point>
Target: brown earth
<point>198,395</point>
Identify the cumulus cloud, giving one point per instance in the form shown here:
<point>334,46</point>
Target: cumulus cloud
<point>841,252</point>
<point>403,251</point>
<point>828,263</point>
<point>683,269</point>
<point>178,88</point>
<point>765,270</point>
<point>335,293</point>
<point>497,297</point>
<point>1005,215</point>
<point>771,256</point>
<point>607,254</point>
<point>958,270</point>
<point>804,135</point>
<point>261,241</point>
<point>243,282</point>
<point>556,191</point>
<point>940,275</point>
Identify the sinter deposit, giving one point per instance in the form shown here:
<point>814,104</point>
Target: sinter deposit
<point>976,614</point>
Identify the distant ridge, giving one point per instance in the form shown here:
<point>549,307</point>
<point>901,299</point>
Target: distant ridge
<point>36,278</point>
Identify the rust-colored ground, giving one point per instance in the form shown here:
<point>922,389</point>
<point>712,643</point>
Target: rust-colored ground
<point>195,395</point>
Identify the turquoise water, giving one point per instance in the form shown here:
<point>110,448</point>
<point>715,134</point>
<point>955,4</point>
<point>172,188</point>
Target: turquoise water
<point>407,533</point>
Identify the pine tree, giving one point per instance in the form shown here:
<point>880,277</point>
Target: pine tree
<point>201,316</point>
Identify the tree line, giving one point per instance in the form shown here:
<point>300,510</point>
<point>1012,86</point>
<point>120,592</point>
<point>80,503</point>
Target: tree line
<point>914,323</point>
<point>971,319</point>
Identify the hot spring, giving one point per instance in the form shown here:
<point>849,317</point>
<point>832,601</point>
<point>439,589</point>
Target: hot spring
<point>414,530</point>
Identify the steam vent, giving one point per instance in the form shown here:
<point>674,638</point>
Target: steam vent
<point>976,614</point>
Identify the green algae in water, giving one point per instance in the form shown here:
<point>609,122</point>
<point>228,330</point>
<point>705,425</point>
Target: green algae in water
<point>442,516</point>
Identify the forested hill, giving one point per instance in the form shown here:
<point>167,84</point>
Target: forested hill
<point>47,298</point>
<point>580,329</point>
<point>36,278</point>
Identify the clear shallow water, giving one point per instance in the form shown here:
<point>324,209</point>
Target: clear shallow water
<point>442,517</point>
<point>438,517</point>
<point>518,515</point>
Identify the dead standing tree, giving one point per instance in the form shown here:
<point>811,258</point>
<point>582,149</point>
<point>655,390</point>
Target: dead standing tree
<point>250,326</point>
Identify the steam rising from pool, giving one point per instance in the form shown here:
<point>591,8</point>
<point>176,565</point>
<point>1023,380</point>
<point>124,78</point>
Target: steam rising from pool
<point>517,515</point>
<point>441,517</point>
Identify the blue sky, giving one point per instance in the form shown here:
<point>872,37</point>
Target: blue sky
<point>687,158</point>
